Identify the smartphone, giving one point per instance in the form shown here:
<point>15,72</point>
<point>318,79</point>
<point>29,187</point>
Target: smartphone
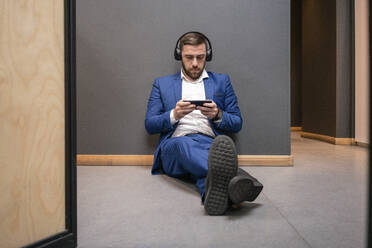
<point>198,102</point>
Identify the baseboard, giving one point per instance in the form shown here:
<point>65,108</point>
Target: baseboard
<point>362,144</point>
<point>296,129</point>
<point>85,159</point>
<point>329,139</point>
<point>265,160</point>
<point>140,160</point>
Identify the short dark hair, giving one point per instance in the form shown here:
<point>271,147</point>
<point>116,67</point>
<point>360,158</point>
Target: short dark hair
<point>193,39</point>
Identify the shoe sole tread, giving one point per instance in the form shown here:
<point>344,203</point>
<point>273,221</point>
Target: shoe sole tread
<point>222,166</point>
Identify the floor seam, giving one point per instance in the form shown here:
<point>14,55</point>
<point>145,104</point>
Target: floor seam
<point>289,223</point>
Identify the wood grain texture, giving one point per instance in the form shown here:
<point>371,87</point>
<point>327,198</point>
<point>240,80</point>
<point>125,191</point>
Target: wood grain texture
<point>138,160</point>
<point>83,159</point>
<point>296,129</point>
<point>32,143</point>
<point>329,139</point>
<point>265,160</point>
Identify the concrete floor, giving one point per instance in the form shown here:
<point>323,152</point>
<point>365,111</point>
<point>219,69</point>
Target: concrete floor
<point>320,202</point>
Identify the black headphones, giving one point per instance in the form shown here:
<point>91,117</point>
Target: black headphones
<point>177,50</point>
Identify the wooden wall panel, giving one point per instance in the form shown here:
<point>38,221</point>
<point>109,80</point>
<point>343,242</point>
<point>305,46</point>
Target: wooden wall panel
<point>32,127</point>
<point>362,73</point>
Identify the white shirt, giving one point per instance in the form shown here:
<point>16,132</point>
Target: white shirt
<point>194,122</point>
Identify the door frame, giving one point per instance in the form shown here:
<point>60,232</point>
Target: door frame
<point>68,238</point>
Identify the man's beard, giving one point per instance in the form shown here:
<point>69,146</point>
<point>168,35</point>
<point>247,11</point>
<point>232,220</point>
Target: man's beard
<point>190,74</point>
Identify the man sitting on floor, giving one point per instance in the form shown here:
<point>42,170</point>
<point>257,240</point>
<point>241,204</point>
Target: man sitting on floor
<point>192,136</point>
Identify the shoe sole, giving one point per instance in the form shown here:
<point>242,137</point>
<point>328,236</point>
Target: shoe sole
<point>222,167</point>
<point>242,188</point>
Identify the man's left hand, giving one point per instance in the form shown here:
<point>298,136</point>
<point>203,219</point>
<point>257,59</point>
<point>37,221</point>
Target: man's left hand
<point>209,109</point>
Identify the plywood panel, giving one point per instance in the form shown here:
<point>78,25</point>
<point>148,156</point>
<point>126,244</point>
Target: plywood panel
<point>32,137</point>
<point>362,74</point>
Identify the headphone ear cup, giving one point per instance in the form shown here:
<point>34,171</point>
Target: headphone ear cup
<point>177,54</point>
<point>209,55</point>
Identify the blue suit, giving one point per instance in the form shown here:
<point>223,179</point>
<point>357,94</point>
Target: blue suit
<point>166,92</point>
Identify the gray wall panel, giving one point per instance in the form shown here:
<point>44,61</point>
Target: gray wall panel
<point>122,46</point>
<point>296,57</point>
<point>343,71</point>
<point>327,67</point>
<point>319,67</point>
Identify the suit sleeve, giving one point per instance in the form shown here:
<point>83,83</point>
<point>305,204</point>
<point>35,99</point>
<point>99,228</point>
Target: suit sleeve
<point>231,117</point>
<point>157,119</point>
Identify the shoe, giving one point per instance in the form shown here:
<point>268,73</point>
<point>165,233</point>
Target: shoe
<point>222,167</point>
<point>244,187</point>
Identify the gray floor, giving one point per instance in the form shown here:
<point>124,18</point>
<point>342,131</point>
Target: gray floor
<point>320,202</point>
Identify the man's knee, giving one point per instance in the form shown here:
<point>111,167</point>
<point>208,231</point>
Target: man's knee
<point>175,145</point>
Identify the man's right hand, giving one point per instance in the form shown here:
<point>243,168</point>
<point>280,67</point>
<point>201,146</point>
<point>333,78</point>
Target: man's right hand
<point>182,108</point>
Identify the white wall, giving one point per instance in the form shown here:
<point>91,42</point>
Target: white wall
<point>361,72</point>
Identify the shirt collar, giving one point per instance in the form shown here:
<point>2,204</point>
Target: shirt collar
<point>202,76</point>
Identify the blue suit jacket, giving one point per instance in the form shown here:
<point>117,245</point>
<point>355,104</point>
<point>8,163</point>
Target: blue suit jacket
<point>167,91</point>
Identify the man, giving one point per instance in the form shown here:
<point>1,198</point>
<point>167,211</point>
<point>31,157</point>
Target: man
<point>192,141</point>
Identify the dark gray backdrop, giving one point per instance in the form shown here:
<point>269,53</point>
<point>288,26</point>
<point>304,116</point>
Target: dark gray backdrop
<point>123,45</point>
<point>326,68</point>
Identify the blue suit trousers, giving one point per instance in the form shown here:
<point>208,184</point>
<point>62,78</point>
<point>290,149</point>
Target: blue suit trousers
<point>187,156</point>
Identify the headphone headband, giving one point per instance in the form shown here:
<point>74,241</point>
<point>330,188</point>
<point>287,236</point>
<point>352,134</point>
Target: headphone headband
<point>177,50</point>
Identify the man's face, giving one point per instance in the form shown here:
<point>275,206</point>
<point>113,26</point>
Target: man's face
<point>193,60</point>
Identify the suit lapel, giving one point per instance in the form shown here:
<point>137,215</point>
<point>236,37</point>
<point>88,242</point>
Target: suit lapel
<point>208,88</point>
<point>177,88</point>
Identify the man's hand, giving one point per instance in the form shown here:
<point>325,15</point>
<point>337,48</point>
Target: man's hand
<point>209,109</point>
<point>182,108</point>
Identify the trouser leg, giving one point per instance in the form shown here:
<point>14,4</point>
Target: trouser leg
<point>187,155</point>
